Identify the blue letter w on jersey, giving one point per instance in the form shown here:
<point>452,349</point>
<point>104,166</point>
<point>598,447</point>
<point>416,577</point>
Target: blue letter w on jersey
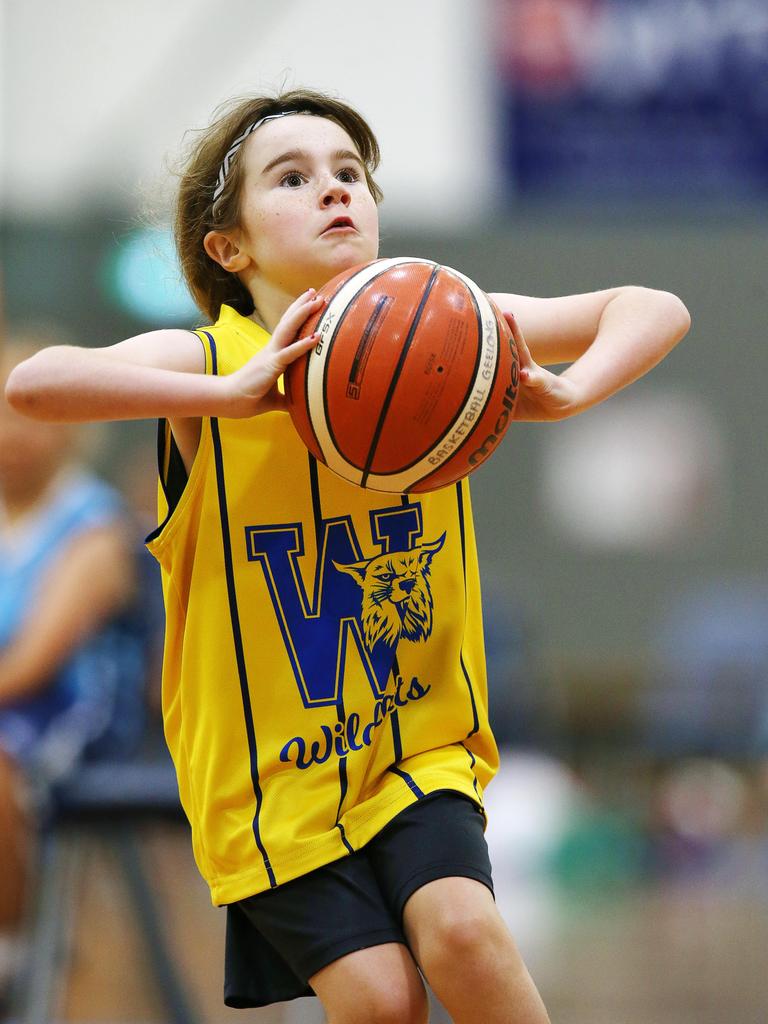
<point>316,630</point>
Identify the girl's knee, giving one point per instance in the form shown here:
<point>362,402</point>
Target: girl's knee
<point>473,964</point>
<point>468,942</point>
<point>383,1005</point>
<point>401,1007</point>
<point>380,985</point>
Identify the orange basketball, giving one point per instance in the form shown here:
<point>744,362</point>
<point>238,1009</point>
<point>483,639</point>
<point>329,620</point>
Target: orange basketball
<point>413,381</point>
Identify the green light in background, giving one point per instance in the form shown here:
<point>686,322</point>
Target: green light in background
<point>143,277</point>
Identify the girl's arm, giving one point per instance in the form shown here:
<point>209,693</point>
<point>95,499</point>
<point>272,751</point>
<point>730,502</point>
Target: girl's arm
<point>610,338</point>
<point>160,374</point>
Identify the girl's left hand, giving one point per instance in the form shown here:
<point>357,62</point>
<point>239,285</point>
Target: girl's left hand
<point>543,395</point>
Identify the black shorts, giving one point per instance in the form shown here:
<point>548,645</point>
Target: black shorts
<point>278,939</point>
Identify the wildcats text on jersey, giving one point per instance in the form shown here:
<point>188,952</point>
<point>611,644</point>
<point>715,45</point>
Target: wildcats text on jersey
<point>351,734</point>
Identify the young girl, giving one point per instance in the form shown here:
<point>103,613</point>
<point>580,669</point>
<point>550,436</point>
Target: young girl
<point>333,775</point>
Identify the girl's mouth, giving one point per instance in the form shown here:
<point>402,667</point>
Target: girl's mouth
<point>339,224</point>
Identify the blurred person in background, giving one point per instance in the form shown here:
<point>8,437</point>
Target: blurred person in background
<point>70,655</point>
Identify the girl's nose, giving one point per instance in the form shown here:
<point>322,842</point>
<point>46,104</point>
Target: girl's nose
<point>336,193</point>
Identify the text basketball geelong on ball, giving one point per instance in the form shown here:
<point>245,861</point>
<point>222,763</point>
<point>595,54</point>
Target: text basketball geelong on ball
<point>414,378</point>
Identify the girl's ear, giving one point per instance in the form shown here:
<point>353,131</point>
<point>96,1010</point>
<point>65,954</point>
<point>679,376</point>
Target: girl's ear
<point>225,251</point>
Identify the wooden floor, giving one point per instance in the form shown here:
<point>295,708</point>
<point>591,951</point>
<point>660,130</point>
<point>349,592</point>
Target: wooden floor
<point>692,951</point>
<point>657,956</point>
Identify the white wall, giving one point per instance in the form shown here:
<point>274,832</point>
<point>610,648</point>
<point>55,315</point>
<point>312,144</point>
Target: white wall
<point>98,94</point>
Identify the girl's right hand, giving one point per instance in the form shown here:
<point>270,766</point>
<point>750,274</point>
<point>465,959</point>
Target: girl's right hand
<point>252,389</point>
<point>543,396</point>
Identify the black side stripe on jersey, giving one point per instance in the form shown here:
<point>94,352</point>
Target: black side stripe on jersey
<point>472,760</point>
<point>342,794</point>
<point>397,743</point>
<point>317,514</point>
<point>408,781</point>
<point>343,784</point>
<point>460,500</point>
<point>317,511</point>
<point>237,635</point>
<point>475,720</point>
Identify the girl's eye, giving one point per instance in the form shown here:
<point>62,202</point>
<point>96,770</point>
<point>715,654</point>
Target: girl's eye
<point>348,175</point>
<point>292,179</point>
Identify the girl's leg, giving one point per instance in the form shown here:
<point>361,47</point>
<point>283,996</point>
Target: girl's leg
<point>378,985</point>
<point>15,846</point>
<point>468,955</point>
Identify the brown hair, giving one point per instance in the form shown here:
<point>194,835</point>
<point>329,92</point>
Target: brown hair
<point>196,213</point>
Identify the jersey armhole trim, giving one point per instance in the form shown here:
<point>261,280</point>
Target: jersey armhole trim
<point>172,472</point>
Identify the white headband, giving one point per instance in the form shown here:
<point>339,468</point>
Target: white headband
<point>224,169</point>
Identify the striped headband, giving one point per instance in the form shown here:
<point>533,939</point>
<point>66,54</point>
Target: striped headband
<point>224,169</point>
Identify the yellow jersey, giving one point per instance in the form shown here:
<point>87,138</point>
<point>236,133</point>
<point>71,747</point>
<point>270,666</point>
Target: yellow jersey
<point>323,662</point>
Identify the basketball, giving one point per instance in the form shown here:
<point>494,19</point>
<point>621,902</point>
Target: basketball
<point>413,381</point>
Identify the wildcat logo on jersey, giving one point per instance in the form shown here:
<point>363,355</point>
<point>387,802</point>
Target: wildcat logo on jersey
<point>371,603</point>
<point>397,598</point>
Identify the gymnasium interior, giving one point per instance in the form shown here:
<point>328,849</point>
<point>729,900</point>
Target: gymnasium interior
<point>541,147</point>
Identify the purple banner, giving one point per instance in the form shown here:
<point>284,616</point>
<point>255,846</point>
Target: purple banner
<point>627,98</point>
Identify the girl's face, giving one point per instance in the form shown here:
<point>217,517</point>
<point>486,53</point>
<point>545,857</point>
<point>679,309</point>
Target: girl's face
<point>306,212</point>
